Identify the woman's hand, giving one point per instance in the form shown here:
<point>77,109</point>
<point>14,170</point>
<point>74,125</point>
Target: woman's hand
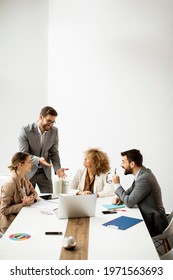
<point>84,193</point>
<point>28,200</point>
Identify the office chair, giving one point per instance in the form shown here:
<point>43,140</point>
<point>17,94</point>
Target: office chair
<point>169,217</point>
<point>162,239</point>
<point>167,256</point>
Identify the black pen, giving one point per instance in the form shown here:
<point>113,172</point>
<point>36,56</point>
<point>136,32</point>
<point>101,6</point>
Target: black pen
<point>53,232</point>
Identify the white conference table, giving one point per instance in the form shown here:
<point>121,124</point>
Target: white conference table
<point>105,243</point>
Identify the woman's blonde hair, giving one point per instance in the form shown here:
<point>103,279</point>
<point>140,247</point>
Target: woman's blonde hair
<point>99,160</point>
<point>17,158</point>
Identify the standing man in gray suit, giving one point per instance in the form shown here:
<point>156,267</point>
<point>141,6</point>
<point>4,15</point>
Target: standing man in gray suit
<point>40,140</point>
<point>145,192</point>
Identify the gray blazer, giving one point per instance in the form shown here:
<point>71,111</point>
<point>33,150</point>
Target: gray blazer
<point>29,141</point>
<point>146,193</point>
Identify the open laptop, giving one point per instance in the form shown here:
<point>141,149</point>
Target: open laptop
<point>76,206</point>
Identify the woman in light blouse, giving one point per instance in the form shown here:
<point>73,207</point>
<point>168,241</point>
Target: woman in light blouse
<point>93,178</point>
<point>17,191</point>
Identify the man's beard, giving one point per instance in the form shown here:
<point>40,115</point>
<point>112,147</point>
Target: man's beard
<point>46,127</point>
<point>128,171</point>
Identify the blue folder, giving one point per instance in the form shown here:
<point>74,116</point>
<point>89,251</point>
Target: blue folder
<point>123,222</point>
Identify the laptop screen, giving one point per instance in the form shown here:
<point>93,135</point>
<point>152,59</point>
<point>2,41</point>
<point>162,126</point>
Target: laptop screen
<point>76,206</point>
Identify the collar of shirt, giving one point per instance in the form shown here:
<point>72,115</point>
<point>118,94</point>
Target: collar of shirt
<point>136,176</point>
<point>42,136</point>
<point>40,130</point>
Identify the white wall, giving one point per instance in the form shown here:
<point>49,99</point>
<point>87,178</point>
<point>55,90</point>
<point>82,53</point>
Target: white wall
<point>108,72</point>
<point>110,76</point>
<point>23,69</point>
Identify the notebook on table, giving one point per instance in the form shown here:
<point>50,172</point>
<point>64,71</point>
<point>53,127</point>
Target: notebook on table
<point>76,206</point>
<point>113,206</point>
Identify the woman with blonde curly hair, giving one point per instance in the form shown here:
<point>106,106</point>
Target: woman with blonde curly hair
<point>93,178</point>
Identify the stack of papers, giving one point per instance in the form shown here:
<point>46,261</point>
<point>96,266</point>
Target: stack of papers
<point>45,204</point>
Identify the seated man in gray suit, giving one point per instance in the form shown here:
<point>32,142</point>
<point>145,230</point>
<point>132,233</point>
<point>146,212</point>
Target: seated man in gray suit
<point>40,140</point>
<point>145,192</point>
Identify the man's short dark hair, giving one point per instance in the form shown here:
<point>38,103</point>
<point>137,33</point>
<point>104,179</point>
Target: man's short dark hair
<point>133,155</point>
<point>48,111</point>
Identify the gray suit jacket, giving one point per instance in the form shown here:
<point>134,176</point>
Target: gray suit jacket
<point>29,141</point>
<point>146,193</point>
